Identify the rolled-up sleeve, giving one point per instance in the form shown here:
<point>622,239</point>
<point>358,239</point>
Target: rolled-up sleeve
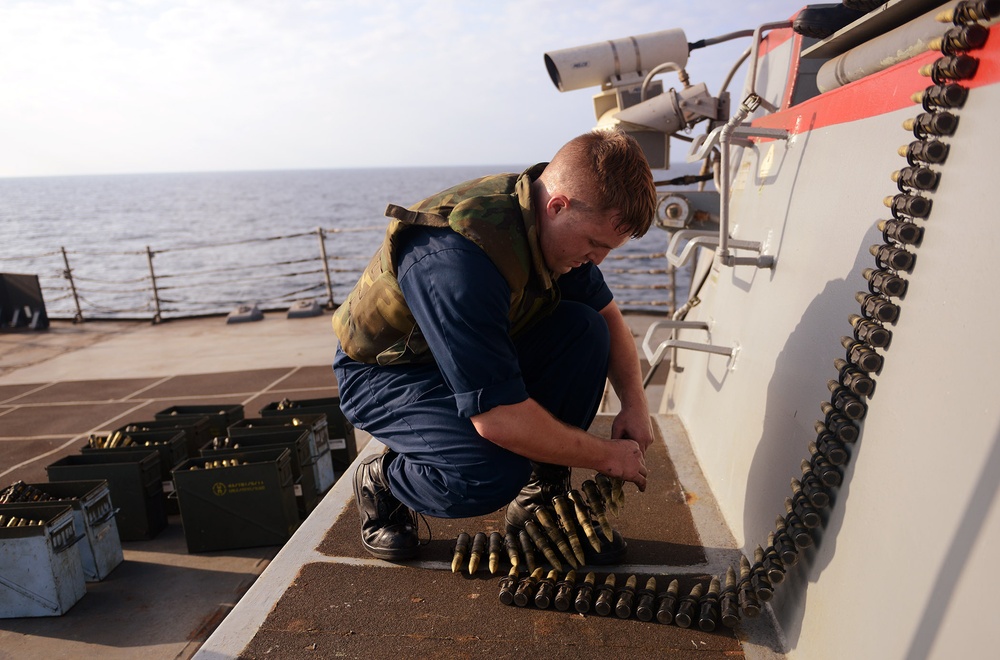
<point>461,302</point>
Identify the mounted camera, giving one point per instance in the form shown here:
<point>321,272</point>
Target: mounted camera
<point>629,97</point>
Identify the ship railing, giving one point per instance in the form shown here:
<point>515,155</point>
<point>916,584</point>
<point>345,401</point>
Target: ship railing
<point>273,272</point>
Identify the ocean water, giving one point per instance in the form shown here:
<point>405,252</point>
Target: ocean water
<point>219,240</point>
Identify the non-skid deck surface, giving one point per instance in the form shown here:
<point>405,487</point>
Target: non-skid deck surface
<point>353,606</point>
<point>659,528</point>
<point>340,610</point>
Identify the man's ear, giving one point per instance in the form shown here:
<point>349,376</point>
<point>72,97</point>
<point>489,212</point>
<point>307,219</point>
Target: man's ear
<point>557,202</point>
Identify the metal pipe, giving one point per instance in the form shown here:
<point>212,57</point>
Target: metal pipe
<point>326,268</point>
<point>152,277</point>
<point>659,68</point>
<point>755,47</point>
<point>68,274</point>
<point>751,103</point>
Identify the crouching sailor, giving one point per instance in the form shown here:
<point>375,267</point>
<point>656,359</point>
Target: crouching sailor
<point>477,343</point>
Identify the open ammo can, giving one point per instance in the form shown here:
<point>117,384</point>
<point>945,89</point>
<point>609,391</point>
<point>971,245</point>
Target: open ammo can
<point>93,520</point>
<point>195,429</point>
<point>220,416</point>
<point>40,569</point>
<point>168,443</point>
<point>343,448</point>
<point>133,476</point>
<point>320,458</point>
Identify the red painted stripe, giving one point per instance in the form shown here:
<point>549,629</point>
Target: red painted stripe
<point>879,93</point>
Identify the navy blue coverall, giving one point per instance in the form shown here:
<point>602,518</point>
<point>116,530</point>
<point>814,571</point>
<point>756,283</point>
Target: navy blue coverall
<point>460,302</point>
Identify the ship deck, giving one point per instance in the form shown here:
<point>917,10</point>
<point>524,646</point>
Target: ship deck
<point>320,595</point>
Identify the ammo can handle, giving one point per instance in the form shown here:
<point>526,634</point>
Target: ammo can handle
<point>68,545</point>
<point>111,513</point>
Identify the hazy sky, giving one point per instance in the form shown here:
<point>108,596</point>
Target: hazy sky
<point>115,86</point>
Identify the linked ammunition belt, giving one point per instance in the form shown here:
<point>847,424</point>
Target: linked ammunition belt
<point>553,532</point>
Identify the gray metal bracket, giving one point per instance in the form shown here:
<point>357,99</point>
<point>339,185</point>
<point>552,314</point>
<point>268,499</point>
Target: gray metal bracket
<point>655,356</point>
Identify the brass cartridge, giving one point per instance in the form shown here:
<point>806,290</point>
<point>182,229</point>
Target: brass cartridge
<point>507,585</point>
<point>542,543</point>
<point>618,493</point>
<point>478,550</point>
<point>853,378</point>
<point>758,577</point>
<point>564,591</point>
<point>959,38</point>
<point>528,550</point>
<point>773,566</point>
<point>585,594</point>
<point>871,332</point>
<point>551,528</point>
<point>827,473</point>
<point>745,592</point>
<point>461,550</point>
<point>971,11</point>
<point>596,503</point>
<point>582,512</point>
<point>687,609</point>
<point>605,596</point>
<point>546,589</point>
<point>526,588</point>
<point>728,603</point>
<point>839,424</point>
<point>495,548</point>
<point>804,509</point>
<point>949,67</point>
<point>783,543</point>
<point>626,596</point>
<point>604,486</point>
<point>647,598</point>
<point>666,602</point>
<point>708,614</point>
<point>814,490</point>
<point>829,445</point>
<point>510,542</point>
<point>796,530</point>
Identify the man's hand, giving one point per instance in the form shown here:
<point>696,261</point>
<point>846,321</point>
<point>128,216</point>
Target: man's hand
<point>634,424</point>
<point>626,461</point>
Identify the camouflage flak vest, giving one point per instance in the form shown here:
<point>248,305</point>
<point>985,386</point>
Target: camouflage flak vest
<point>375,326</point>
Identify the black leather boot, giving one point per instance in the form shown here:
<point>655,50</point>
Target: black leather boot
<point>388,528</point>
<point>546,482</point>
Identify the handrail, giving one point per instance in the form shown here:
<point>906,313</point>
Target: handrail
<point>695,238</point>
<point>655,356</point>
<point>160,284</point>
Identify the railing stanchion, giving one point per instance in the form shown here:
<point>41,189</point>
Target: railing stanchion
<point>326,267</point>
<point>152,277</point>
<point>68,274</point>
